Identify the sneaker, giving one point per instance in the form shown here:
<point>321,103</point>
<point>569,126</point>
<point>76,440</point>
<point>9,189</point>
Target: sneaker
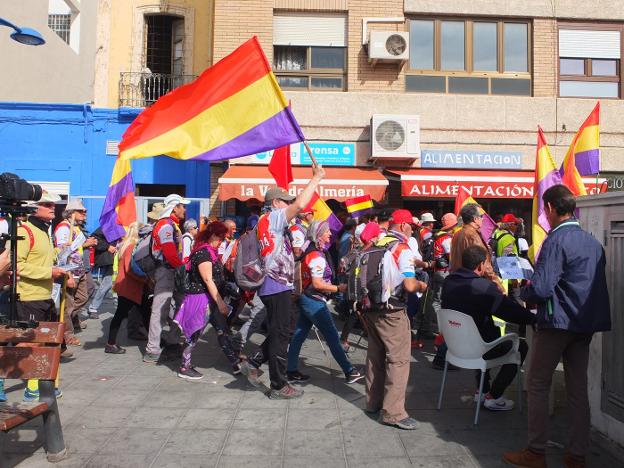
<point>408,424</point>
<point>439,365</point>
<point>3,396</point>
<point>497,404</point>
<point>151,358</point>
<point>297,377</point>
<point>525,458</point>
<point>31,395</point>
<point>354,376</point>
<point>476,396</point>
<point>252,373</point>
<point>287,392</point>
<point>189,373</point>
<point>237,369</point>
<point>93,316</point>
<point>114,349</point>
<point>57,393</point>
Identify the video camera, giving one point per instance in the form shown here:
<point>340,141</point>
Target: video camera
<point>15,192</point>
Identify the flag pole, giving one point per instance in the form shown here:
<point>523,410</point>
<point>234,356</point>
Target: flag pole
<point>307,147</point>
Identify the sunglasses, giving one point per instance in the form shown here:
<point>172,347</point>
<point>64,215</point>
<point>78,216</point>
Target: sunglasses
<point>47,204</point>
<point>81,211</point>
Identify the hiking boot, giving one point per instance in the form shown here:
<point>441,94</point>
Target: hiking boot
<point>253,374</point>
<point>573,461</point>
<point>408,424</point>
<point>150,358</point>
<point>114,349</point>
<point>189,373</point>
<point>497,404</point>
<point>297,377</point>
<point>287,392</point>
<point>525,458</point>
<point>354,376</point>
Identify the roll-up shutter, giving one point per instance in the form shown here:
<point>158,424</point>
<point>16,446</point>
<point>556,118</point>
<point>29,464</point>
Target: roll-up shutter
<point>307,30</point>
<point>583,43</point>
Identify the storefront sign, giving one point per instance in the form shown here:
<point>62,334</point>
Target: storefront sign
<point>326,153</point>
<point>614,182</point>
<point>470,159</point>
<point>480,184</point>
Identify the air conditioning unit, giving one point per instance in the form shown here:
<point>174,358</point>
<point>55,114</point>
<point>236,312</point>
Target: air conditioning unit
<point>388,46</point>
<point>395,137</point>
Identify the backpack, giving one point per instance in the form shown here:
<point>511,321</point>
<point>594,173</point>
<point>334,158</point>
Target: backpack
<point>428,248</point>
<point>142,261</point>
<point>182,278</point>
<point>494,240</point>
<point>248,267</point>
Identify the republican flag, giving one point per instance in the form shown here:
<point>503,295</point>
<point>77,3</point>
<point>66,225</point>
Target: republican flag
<point>280,167</point>
<point>585,147</point>
<point>119,209</point>
<point>322,212</point>
<point>546,175</point>
<point>358,206</point>
<point>235,108</point>
<point>488,225</point>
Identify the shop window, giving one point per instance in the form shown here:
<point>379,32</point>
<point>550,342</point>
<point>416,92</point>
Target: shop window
<point>469,56</point>
<point>589,61</point>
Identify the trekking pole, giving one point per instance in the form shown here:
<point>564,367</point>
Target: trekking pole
<point>318,337</point>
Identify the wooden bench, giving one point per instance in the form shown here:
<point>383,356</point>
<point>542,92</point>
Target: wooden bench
<point>34,353</point>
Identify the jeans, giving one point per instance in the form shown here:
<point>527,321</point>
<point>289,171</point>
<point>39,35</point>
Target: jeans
<point>105,276</point>
<point>315,312</point>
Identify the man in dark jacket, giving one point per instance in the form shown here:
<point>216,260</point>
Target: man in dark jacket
<point>467,290</point>
<point>102,270</point>
<point>569,287</point>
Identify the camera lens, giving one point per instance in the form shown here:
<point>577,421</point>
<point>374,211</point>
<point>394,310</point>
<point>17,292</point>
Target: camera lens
<point>37,192</point>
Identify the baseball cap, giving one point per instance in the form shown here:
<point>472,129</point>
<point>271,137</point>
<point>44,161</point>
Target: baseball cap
<point>510,218</point>
<point>171,201</point>
<point>371,230</point>
<point>401,216</point>
<point>427,218</point>
<point>449,220</point>
<point>277,193</point>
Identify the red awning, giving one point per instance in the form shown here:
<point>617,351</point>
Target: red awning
<point>425,183</point>
<point>247,182</point>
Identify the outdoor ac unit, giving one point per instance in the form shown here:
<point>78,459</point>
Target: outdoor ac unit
<point>395,137</point>
<point>388,46</point>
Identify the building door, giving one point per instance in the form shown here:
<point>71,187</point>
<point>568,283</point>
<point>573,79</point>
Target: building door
<point>612,370</point>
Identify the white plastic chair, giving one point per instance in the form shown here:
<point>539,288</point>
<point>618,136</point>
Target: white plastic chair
<point>466,349</point>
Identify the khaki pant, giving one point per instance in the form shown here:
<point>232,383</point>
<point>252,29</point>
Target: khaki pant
<point>548,347</point>
<point>388,363</point>
<point>161,307</point>
<point>75,300</point>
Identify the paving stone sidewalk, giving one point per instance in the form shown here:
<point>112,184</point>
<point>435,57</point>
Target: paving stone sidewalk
<point>119,412</point>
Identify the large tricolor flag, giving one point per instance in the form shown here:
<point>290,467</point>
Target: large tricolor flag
<point>322,212</point>
<point>358,206</point>
<point>585,146</point>
<point>488,225</point>
<point>546,175</point>
<point>235,108</point>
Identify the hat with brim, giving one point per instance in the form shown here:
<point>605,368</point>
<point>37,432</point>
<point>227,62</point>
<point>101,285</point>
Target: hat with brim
<point>427,218</point>
<point>277,193</point>
<point>154,214</point>
<point>46,197</point>
<point>75,204</point>
<point>171,201</point>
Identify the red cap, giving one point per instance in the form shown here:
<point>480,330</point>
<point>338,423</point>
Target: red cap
<point>371,230</point>
<point>510,218</point>
<point>401,216</point>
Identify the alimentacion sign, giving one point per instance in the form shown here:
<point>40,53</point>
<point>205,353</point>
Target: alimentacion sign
<point>463,159</point>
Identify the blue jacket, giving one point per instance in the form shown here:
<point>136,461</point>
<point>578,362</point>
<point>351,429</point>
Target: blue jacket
<point>569,285</point>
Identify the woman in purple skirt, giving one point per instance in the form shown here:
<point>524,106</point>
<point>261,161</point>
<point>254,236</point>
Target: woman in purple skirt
<point>203,303</point>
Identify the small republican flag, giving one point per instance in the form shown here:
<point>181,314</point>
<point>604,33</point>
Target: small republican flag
<point>359,205</point>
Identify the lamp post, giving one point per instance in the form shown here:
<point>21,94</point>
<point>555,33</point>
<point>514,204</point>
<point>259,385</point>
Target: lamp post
<point>26,36</point>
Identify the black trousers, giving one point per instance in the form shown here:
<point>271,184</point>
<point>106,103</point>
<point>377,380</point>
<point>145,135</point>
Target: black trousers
<point>124,306</point>
<point>41,311</point>
<point>280,322</point>
<point>506,374</point>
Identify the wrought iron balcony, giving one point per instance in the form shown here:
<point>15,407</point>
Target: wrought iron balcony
<point>143,89</point>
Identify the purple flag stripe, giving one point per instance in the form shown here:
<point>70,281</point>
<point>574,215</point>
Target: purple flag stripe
<point>357,214</point>
<point>108,219</point>
<point>588,162</point>
<point>279,130</point>
<point>552,178</point>
<point>335,226</point>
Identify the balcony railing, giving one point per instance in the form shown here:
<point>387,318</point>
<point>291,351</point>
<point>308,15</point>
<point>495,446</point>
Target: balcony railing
<point>143,89</point>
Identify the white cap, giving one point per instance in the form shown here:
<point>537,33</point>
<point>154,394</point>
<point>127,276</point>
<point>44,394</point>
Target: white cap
<point>171,201</point>
<point>427,218</point>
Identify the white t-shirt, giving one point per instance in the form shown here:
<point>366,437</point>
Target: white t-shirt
<point>523,245</point>
<point>187,245</point>
<point>4,226</point>
<point>413,244</point>
<point>405,263</point>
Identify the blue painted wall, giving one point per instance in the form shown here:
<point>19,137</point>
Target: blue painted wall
<point>67,143</point>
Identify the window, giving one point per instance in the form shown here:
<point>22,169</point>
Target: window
<point>469,56</point>
<point>309,51</point>
<point>61,25</point>
<point>589,61</point>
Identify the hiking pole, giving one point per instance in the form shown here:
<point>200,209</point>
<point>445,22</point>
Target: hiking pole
<point>318,337</point>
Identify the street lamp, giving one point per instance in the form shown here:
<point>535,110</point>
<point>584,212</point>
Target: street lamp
<point>26,36</point>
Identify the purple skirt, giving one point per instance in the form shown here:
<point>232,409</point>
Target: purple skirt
<point>192,315</point>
